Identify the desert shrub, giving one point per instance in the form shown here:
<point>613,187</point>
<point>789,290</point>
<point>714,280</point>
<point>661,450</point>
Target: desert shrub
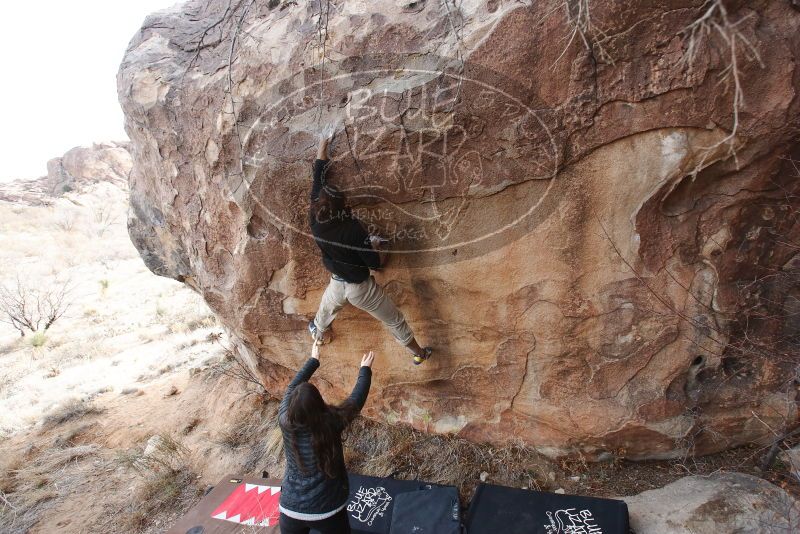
<point>234,366</point>
<point>104,218</point>
<point>38,339</point>
<point>206,321</point>
<point>70,410</point>
<point>66,221</point>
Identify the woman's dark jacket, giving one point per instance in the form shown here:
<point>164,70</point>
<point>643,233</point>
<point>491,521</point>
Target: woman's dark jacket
<point>311,491</point>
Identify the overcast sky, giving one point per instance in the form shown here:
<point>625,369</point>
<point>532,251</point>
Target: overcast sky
<point>58,89</point>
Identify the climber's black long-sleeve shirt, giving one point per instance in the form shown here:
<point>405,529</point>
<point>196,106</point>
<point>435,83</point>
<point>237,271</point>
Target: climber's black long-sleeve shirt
<point>343,241</point>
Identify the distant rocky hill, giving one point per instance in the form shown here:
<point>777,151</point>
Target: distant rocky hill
<point>78,168</point>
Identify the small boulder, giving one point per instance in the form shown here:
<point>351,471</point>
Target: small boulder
<point>791,458</point>
<point>723,502</point>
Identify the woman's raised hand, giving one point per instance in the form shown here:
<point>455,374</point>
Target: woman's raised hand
<point>367,360</point>
<point>315,350</point>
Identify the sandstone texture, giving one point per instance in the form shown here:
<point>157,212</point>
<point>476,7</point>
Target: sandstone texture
<point>592,204</point>
<point>76,171</point>
<point>723,502</point>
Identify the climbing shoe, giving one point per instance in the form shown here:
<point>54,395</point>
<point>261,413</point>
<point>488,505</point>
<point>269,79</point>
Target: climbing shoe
<point>316,335</point>
<point>426,353</point>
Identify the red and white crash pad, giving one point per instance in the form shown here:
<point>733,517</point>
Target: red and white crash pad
<point>235,505</point>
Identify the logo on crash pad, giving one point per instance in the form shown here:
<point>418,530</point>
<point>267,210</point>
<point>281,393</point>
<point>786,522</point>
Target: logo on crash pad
<point>369,504</point>
<point>572,521</point>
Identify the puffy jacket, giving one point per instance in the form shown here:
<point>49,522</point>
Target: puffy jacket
<point>312,491</point>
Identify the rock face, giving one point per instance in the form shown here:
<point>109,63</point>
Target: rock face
<point>593,213</point>
<point>76,170</point>
<point>723,502</point>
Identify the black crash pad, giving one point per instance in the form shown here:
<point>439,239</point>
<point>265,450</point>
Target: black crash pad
<point>502,510</point>
<point>372,500</point>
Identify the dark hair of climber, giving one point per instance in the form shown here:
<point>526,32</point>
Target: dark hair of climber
<point>315,488</point>
<point>350,253</point>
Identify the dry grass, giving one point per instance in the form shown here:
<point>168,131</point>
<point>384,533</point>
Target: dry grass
<point>259,433</point>
<point>162,492</point>
<point>381,450</point>
<point>167,484</point>
<point>70,437</point>
<point>202,321</point>
<point>32,484</point>
<point>70,410</point>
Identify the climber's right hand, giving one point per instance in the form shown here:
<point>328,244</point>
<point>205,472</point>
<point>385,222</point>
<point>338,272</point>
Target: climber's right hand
<point>315,350</point>
<point>328,133</point>
<point>367,360</point>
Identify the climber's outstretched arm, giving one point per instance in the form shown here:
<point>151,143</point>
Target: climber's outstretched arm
<point>302,376</point>
<point>361,389</point>
<point>322,148</point>
<point>320,166</point>
<point>359,395</point>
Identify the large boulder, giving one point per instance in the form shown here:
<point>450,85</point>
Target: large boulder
<point>78,170</point>
<point>733,503</point>
<point>84,166</point>
<point>592,204</point>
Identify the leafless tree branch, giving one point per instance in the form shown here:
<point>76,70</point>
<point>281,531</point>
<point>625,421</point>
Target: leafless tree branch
<point>28,309</point>
<point>715,20</point>
<point>233,366</point>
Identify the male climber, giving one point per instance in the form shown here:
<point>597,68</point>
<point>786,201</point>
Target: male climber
<point>349,253</point>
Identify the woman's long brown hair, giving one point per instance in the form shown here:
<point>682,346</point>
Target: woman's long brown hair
<point>308,411</point>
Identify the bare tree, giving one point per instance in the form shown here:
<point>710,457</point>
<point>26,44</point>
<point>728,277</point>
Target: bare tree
<point>234,366</point>
<point>31,309</point>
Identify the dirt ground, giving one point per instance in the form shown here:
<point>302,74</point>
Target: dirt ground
<point>89,472</point>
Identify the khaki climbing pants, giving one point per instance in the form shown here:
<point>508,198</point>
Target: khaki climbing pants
<point>368,296</point>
